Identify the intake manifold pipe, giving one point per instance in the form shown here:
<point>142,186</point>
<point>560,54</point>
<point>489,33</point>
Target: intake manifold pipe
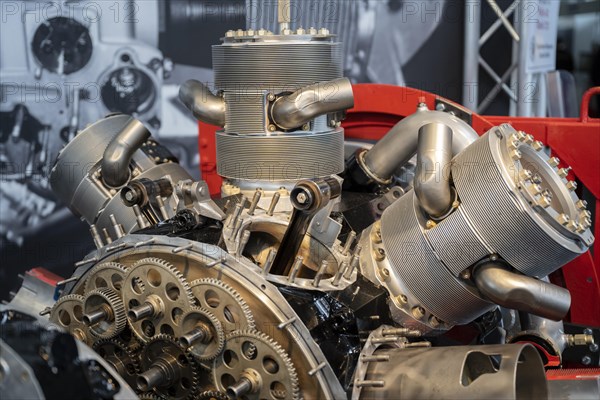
<point>432,175</point>
<point>302,106</point>
<point>521,292</point>
<point>118,153</point>
<point>204,105</point>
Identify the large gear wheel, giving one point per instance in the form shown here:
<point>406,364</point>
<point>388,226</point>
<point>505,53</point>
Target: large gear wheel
<point>104,313</point>
<point>67,313</point>
<point>254,366</point>
<point>110,274</point>
<point>159,290</point>
<point>120,357</point>
<point>169,370</point>
<point>201,332</point>
<point>224,302</point>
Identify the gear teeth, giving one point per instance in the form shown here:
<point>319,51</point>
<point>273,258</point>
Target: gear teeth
<point>75,324</point>
<point>161,337</point>
<point>125,349</point>
<point>185,299</point>
<point>294,392</point>
<point>220,334</point>
<point>250,324</point>
<point>212,395</point>
<point>90,282</point>
<point>113,300</point>
<point>171,268</point>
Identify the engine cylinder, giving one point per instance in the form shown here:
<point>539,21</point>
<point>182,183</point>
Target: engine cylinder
<point>253,71</point>
<point>513,203</point>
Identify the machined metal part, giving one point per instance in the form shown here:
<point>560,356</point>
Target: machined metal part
<point>156,295</point>
<point>497,215</point>
<point>167,369</point>
<point>211,264</point>
<point>104,313</point>
<point>204,105</point>
<point>117,155</point>
<point>78,177</point>
<point>254,366</point>
<point>67,313</point>
<point>508,289</point>
<point>121,357</point>
<point>400,144</point>
<point>432,175</point>
<point>308,198</point>
<point>296,109</point>
<point>468,372</point>
<point>201,333</point>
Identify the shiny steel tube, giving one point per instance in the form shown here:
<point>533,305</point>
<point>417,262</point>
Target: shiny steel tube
<point>118,153</point>
<point>399,145</point>
<point>309,102</point>
<point>520,292</point>
<point>203,104</point>
<point>432,175</point>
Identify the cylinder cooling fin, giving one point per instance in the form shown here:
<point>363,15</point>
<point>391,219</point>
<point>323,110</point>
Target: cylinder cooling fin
<point>513,203</point>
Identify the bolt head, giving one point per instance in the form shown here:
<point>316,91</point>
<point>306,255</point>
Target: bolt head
<point>515,155</point>
<point>563,219</point>
<point>301,198</point>
<point>586,360</point>
<point>545,201</point>
<point>571,185</point>
<point>537,145</point>
<point>581,204</point>
<point>554,161</point>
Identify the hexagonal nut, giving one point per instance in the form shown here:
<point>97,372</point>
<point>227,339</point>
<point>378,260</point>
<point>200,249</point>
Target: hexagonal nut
<point>544,201</point>
<point>553,161</point>
<point>537,145</point>
<point>563,219</point>
<point>571,185</point>
<point>581,204</point>
<point>515,155</point>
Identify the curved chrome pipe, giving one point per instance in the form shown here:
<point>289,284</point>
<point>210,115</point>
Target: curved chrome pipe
<point>399,145</point>
<point>203,104</point>
<point>432,175</point>
<point>304,105</point>
<point>520,292</point>
<point>118,153</point>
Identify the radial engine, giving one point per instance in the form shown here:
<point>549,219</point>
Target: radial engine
<point>292,285</point>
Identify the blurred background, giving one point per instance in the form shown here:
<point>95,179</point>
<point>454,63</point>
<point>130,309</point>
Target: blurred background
<point>66,64</point>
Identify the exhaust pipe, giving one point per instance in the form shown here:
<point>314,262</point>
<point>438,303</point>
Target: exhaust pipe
<point>434,155</point>
<point>400,144</point>
<point>118,153</point>
<point>304,105</point>
<point>520,292</point>
<point>203,104</point>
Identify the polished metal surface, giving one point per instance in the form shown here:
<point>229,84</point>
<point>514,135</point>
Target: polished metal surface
<point>400,144</point>
<point>520,292</point>
<point>432,175</point>
<point>458,372</point>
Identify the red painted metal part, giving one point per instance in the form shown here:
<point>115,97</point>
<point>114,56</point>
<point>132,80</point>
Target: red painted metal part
<point>576,141</point>
<point>45,276</point>
<point>573,374</point>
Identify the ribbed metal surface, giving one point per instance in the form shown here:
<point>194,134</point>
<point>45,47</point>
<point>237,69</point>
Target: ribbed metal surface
<point>286,65</point>
<point>280,157</point>
<point>245,113</point>
<point>456,243</point>
<point>505,227</point>
<point>339,16</point>
<point>415,263</point>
